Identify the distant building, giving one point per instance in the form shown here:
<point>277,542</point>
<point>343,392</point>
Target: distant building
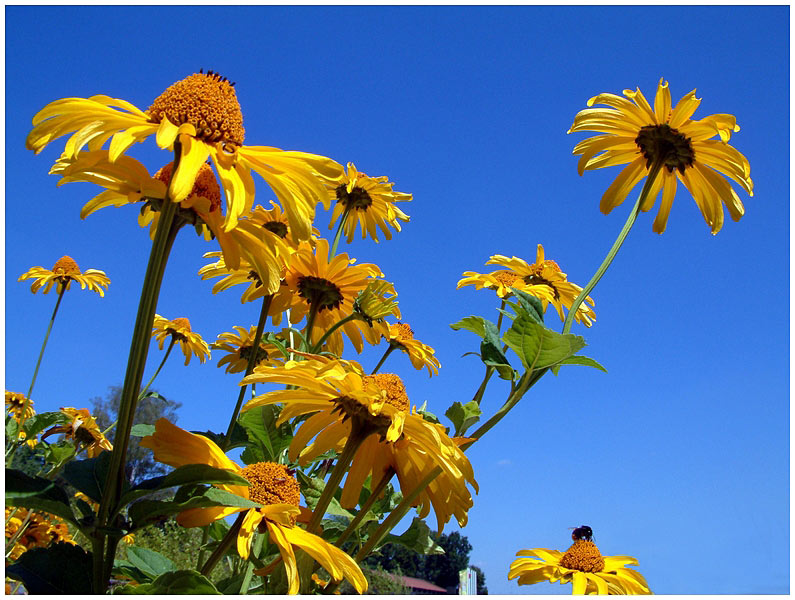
<point>418,586</point>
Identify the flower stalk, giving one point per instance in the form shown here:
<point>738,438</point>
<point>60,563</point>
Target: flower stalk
<point>43,346</point>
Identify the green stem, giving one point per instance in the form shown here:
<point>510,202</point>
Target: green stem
<point>489,370</point>
<point>252,362</point>
<point>383,358</point>
<point>43,346</point>
<point>355,440</point>
<point>310,323</point>
<point>255,550</point>
<point>374,494</point>
<point>205,538</point>
<point>614,250</point>
<point>316,347</point>
<point>165,358</point>
<point>338,234</point>
<point>223,545</point>
<point>166,233</point>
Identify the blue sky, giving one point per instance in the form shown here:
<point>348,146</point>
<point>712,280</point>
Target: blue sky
<point>679,456</point>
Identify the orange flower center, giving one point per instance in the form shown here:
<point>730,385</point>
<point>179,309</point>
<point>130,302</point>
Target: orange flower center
<point>182,323</point>
<point>391,388</point>
<point>205,186</point>
<point>208,102</point>
<point>66,266</point>
<point>583,556</point>
<point>401,332</point>
<point>506,278</point>
<point>665,144</point>
<point>272,483</point>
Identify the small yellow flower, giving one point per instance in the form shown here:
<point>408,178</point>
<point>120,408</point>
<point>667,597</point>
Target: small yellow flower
<point>191,343</point>
<point>370,202</point>
<point>377,301</point>
<point>63,273</point>
<point>19,407</point>
<point>635,134</point>
<point>41,530</point>
<point>401,336</point>
<point>542,279</point>
<point>271,485</point>
<point>239,346</point>
<point>583,566</point>
<point>83,430</point>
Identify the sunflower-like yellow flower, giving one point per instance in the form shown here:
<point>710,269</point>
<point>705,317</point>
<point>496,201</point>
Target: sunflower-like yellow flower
<point>331,287</point>
<point>401,336</point>
<point>202,114</point>
<point>369,202</point>
<point>342,402</point>
<point>635,134</point>
<point>239,347</point>
<point>41,530</point>
<point>275,220</point>
<point>542,279</point>
<point>179,330</point>
<point>63,273</point>
<point>583,566</point>
<point>271,485</point>
<point>83,430</point>
<point>127,181</point>
<point>19,407</point>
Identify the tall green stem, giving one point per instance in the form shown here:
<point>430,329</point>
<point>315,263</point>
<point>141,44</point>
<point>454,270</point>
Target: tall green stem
<point>614,250</point>
<point>310,323</point>
<point>252,362</point>
<point>223,545</point>
<point>316,347</point>
<point>338,234</point>
<point>165,358</point>
<point>374,494</point>
<point>383,358</point>
<point>255,550</point>
<point>62,289</point>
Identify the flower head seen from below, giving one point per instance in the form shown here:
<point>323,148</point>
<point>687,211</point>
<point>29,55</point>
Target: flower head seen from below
<point>343,402</point>
<point>19,407</point>
<point>376,301</point>
<point>63,273</point>
<point>542,279</point>
<point>635,134</point>
<point>271,485</point>
<point>239,347</point>
<point>369,203</point>
<point>581,565</point>
<point>83,430</point>
<point>180,332</point>
<point>202,114</point>
<point>401,336</point>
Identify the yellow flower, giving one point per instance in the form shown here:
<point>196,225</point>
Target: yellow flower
<point>276,221</point>
<point>401,335</point>
<point>583,566</point>
<point>41,530</point>
<point>83,430</point>
<point>377,301</point>
<point>191,343</point>
<point>19,407</point>
<point>635,133</point>
<point>63,273</point>
<point>542,279</point>
<point>202,114</point>
<point>127,181</point>
<point>331,286</point>
<point>342,401</point>
<point>239,347</point>
<point>370,202</point>
<point>271,485</point>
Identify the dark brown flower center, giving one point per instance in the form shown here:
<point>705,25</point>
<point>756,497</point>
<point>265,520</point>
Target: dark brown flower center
<point>358,198</point>
<point>319,292</point>
<point>583,556</point>
<point>276,227</point>
<point>663,143</point>
<point>208,102</point>
<point>245,353</point>
<point>272,483</point>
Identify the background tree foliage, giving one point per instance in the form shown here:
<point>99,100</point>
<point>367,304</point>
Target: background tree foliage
<point>440,569</point>
<point>141,463</point>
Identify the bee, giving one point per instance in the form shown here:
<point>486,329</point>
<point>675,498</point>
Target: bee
<point>583,532</point>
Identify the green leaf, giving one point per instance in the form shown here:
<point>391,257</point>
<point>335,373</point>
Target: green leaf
<point>12,429</point>
<point>144,512</point>
<point>493,356</point>
<point>142,430</point>
<point>427,415</point>
<point>150,562</point>
<point>38,423</point>
<point>476,325</point>
<point>122,568</point>
<point>532,305</point>
<point>239,437</point>
<point>263,434</point>
<point>463,416</point>
<point>88,476</point>
<point>60,568</point>
<point>417,537</point>
<point>312,487</point>
<point>37,493</point>
<point>178,582</point>
<point>490,351</point>
<point>579,360</point>
<point>59,452</point>
<point>184,475</point>
<point>539,347</point>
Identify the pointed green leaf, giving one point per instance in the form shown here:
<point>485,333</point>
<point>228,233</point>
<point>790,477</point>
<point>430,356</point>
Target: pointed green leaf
<point>417,538</point>
<point>178,582</point>
<point>463,416</point>
<point>312,488</point>
<point>88,476</point>
<point>150,562</point>
<point>532,305</point>
<point>142,430</point>
<point>263,434</point>
<point>37,493</point>
<point>579,360</point>
<point>144,512</point>
<point>38,423</point>
<point>60,568</point>
<point>539,347</point>
<point>476,325</point>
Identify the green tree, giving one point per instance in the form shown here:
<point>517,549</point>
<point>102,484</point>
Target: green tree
<point>140,462</point>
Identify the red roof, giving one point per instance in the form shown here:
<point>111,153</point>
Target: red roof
<point>418,584</point>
